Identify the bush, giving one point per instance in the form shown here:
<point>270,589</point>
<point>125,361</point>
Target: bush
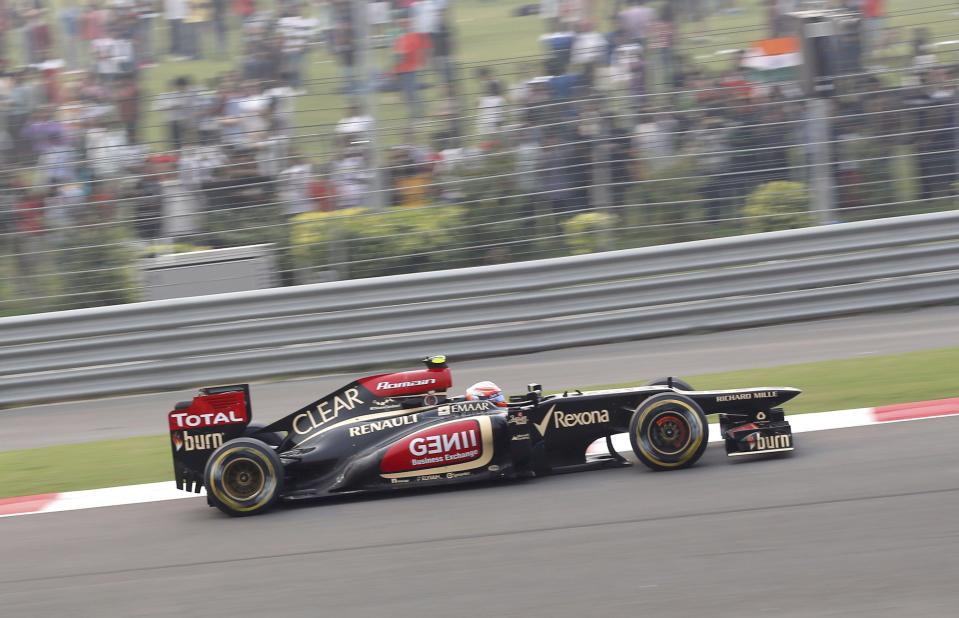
<point>100,269</point>
<point>311,246</point>
<point>672,199</point>
<point>374,243</point>
<point>252,224</point>
<point>589,232</point>
<point>780,205</point>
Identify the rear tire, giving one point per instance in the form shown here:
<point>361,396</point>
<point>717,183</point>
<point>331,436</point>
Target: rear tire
<point>668,432</point>
<point>243,477</point>
<point>677,383</point>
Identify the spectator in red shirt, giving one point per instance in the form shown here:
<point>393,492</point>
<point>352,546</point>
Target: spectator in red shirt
<point>323,192</point>
<point>411,51</point>
<point>127,100</point>
<point>28,218</point>
<point>29,213</point>
<point>101,204</point>
<point>244,8</point>
<point>873,13</point>
<point>93,22</point>
<point>39,37</point>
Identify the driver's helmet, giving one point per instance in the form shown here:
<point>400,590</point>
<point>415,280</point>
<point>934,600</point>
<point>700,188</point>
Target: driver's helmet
<point>486,391</point>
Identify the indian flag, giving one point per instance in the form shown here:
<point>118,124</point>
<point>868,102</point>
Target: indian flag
<point>773,54</point>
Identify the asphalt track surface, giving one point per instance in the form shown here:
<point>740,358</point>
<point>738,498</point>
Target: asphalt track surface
<point>857,336</point>
<point>857,522</point>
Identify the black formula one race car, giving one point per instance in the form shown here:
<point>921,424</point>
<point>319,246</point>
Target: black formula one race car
<point>401,430</point>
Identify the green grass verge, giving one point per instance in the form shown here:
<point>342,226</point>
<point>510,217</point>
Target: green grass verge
<point>851,383</point>
<point>84,466</point>
<point>829,385</point>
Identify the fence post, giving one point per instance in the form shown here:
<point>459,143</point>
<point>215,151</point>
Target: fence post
<point>367,99</point>
<point>819,155</point>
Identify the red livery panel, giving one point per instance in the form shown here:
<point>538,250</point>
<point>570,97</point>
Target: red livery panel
<point>446,445</point>
<point>409,382</point>
<point>211,411</point>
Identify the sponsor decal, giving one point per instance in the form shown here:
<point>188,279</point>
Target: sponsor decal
<point>197,442</point>
<point>429,477</point>
<point>450,444</point>
<point>456,475</point>
<point>519,419</point>
<point>566,420</point>
<point>384,404</point>
<point>325,411</point>
<point>389,386</point>
<point>471,406</point>
<point>493,468</point>
<point>758,442</point>
<point>192,420</point>
<point>398,481</point>
<point>430,400</point>
<point>386,423</point>
<point>465,407</point>
<point>747,396</point>
<point>520,436</point>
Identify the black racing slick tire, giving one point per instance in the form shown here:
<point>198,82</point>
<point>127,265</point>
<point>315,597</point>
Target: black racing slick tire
<point>677,383</point>
<point>668,432</point>
<point>243,477</point>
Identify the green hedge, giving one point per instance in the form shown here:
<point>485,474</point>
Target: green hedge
<point>590,232</point>
<point>99,268</point>
<point>779,205</point>
<point>375,243</point>
<point>673,202</point>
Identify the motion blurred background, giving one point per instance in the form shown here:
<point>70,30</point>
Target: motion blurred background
<point>335,140</point>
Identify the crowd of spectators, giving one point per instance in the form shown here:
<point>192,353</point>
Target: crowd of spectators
<point>613,102</point>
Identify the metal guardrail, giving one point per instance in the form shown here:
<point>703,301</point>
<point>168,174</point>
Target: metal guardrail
<point>469,313</point>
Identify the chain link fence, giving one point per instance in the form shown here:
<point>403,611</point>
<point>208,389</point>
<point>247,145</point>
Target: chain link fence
<point>350,167</point>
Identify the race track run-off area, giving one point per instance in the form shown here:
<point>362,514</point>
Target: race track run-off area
<point>859,521</point>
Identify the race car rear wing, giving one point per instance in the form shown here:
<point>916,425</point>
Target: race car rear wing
<point>199,426</point>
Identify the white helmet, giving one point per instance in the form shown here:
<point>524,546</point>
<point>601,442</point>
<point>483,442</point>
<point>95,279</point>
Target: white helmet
<point>486,391</point>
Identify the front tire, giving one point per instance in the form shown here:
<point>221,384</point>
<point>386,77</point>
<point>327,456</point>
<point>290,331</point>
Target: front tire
<point>243,477</point>
<point>668,432</point>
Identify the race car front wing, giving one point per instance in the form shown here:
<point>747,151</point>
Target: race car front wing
<point>756,434</point>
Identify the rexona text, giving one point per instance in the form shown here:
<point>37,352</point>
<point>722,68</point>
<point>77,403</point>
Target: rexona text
<point>326,411</point>
<point>575,419</point>
<point>565,420</point>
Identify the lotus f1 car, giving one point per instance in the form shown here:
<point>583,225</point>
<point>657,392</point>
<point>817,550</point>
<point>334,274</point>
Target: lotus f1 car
<point>401,430</point>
